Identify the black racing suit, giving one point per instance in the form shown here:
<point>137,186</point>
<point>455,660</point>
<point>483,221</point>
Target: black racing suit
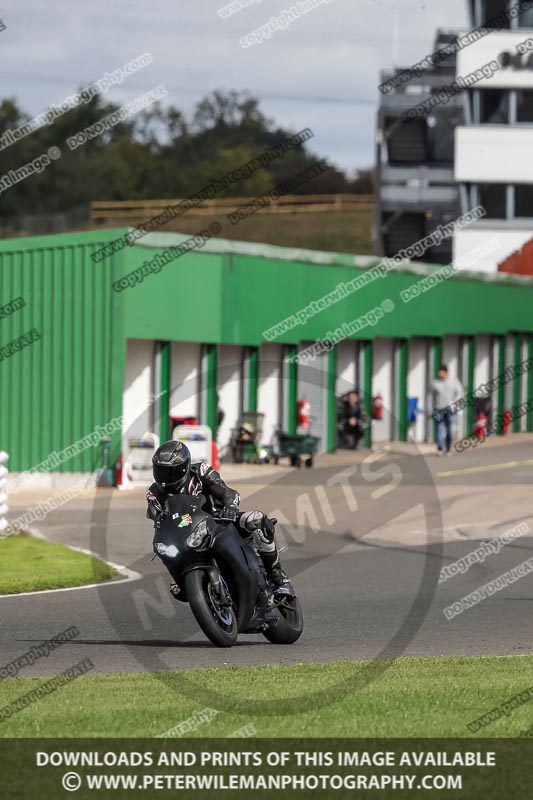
<point>353,431</point>
<point>224,501</point>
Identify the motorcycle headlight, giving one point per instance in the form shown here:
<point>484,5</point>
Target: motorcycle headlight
<point>169,550</point>
<point>199,535</point>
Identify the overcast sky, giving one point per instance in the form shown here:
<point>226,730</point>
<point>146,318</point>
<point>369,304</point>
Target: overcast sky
<point>321,72</point>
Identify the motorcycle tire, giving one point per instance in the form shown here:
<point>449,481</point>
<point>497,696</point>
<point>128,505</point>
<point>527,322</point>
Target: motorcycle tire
<point>289,626</point>
<point>219,624</point>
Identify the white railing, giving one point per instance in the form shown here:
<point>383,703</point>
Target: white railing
<point>3,489</point>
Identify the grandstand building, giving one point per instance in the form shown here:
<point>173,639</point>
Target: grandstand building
<point>415,187</point>
<point>493,164</point>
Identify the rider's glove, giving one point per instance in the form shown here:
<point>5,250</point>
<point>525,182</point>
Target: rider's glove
<point>155,509</point>
<point>228,512</point>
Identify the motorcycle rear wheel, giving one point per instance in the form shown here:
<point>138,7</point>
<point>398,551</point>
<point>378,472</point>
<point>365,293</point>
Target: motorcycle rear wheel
<point>290,624</point>
<point>219,623</point>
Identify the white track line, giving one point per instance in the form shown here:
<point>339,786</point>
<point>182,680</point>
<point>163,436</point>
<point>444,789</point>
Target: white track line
<point>130,575</point>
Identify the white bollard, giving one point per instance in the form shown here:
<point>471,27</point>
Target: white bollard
<point>3,486</point>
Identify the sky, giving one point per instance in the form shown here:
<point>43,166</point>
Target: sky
<point>321,72</point>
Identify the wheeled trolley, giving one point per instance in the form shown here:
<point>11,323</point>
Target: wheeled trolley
<point>245,437</point>
<point>294,446</point>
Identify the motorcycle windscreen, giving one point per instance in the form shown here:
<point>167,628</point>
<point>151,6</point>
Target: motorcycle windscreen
<point>181,504</point>
<point>183,514</point>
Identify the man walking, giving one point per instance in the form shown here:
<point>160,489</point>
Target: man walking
<point>445,391</point>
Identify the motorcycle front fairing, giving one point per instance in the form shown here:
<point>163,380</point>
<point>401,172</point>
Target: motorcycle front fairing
<point>183,515</point>
<point>229,548</point>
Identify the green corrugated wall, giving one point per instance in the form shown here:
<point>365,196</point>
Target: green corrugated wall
<point>58,389</point>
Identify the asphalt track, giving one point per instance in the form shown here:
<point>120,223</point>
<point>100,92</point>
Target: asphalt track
<point>365,535</point>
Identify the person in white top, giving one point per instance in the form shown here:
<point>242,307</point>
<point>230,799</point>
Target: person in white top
<point>444,392</point>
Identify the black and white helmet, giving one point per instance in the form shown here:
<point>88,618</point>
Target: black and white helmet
<point>171,466</point>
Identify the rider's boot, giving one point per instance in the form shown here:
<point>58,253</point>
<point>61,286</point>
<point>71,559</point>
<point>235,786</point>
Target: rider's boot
<point>276,576</point>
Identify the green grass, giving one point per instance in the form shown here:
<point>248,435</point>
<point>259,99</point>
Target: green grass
<point>28,565</point>
<point>411,697</point>
<point>331,231</point>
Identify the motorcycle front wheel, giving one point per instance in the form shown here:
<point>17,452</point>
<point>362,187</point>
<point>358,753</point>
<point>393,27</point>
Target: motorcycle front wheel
<point>217,621</point>
<point>290,624</point>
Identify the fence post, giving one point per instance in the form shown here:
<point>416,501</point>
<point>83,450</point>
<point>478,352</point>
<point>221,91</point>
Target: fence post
<point>3,489</point>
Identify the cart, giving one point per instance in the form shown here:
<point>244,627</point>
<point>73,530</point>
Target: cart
<point>245,437</point>
<point>294,446</point>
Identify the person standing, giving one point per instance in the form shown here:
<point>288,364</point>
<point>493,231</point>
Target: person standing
<point>444,392</point>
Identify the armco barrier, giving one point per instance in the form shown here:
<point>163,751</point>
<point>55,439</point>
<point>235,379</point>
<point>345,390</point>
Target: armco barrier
<point>3,485</point>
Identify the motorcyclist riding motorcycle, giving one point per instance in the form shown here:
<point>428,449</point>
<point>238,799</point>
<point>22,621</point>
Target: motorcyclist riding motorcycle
<point>175,474</point>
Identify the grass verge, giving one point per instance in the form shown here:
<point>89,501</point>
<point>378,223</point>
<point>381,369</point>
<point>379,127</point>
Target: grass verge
<point>413,697</point>
<point>331,231</point>
<point>28,565</point>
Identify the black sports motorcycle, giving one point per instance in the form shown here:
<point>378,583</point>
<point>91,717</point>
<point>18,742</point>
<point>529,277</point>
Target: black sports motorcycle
<point>221,576</point>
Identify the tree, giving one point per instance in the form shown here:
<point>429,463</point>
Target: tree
<point>363,183</point>
<point>158,153</point>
